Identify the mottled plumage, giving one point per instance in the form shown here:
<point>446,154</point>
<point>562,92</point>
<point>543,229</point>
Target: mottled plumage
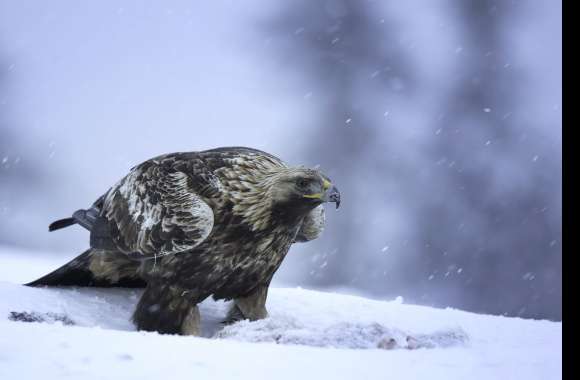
<point>193,225</point>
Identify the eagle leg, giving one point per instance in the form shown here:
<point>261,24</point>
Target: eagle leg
<point>192,323</point>
<point>252,307</point>
<point>168,309</point>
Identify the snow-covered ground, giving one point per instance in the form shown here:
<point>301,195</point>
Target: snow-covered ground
<point>309,335</point>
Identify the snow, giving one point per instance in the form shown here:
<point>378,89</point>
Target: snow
<point>309,335</point>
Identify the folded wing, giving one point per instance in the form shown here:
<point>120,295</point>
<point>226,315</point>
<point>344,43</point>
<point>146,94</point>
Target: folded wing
<point>154,211</point>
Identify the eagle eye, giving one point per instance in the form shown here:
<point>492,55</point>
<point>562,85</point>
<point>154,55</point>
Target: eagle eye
<point>302,182</point>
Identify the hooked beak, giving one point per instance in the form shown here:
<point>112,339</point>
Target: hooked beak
<point>332,195</point>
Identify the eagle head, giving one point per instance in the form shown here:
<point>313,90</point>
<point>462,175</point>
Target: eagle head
<point>263,190</point>
<point>302,189</point>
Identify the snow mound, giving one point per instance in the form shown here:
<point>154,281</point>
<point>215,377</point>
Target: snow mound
<point>320,327</point>
<point>309,334</point>
<point>288,330</point>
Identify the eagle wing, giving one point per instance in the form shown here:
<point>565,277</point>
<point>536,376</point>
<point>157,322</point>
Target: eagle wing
<point>312,226</point>
<point>155,211</point>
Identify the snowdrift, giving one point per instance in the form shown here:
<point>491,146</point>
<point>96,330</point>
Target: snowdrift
<point>87,333</point>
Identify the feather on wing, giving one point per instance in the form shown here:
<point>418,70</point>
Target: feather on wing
<point>154,212</point>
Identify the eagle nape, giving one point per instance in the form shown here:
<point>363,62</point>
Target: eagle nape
<point>192,225</point>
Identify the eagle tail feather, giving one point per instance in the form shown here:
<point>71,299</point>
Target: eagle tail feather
<point>77,272</point>
<point>61,223</point>
<point>85,218</point>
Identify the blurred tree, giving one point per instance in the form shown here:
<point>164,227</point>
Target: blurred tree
<point>485,213</point>
<point>499,239</point>
<point>15,174</point>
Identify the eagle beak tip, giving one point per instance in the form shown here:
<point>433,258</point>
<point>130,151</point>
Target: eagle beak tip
<point>334,196</point>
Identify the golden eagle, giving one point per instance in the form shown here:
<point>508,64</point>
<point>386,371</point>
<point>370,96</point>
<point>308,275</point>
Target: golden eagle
<point>187,226</point>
